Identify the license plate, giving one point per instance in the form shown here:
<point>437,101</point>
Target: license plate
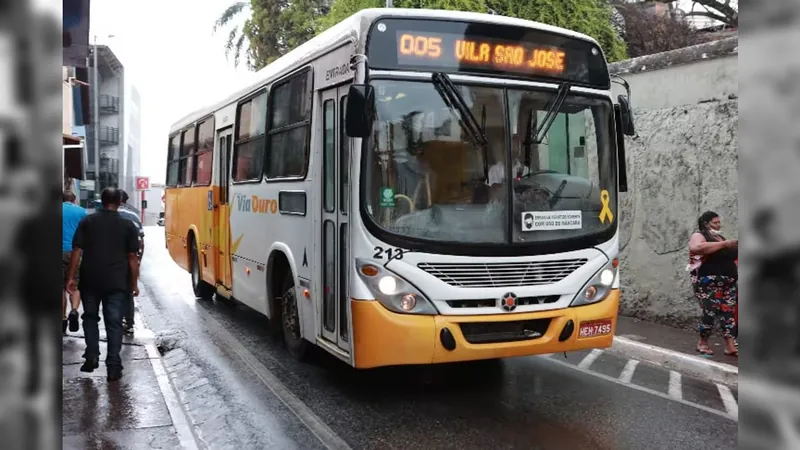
<point>595,328</point>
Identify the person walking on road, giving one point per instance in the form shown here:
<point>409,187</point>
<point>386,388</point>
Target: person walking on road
<point>127,212</point>
<point>71,215</point>
<point>109,272</point>
<point>714,276</point>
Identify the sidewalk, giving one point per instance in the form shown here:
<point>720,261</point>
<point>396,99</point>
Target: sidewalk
<point>140,411</point>
<point>675,349</point>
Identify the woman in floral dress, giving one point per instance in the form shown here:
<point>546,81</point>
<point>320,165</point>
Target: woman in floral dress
<point>714,274</point>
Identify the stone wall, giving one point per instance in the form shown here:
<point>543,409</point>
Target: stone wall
<point>683,161</point>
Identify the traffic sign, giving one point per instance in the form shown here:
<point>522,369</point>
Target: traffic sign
<point>142,183</point>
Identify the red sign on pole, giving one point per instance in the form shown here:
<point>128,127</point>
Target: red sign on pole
<point>142,183</point>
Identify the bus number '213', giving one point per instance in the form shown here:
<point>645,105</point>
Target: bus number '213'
<point>391,253</point>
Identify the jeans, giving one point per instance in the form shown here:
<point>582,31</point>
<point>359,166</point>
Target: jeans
<point>129,308</point>
<point>113,310</point>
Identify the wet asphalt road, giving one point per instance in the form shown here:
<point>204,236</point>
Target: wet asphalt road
<point>242,390</point>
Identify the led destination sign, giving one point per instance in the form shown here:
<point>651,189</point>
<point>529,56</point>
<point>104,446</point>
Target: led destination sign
<point>428,50</point>
<point>448,46</point>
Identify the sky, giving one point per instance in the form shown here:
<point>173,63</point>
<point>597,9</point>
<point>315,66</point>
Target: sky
<point>173,58</point>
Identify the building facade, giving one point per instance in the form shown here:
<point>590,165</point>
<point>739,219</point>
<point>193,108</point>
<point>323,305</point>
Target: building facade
<point>116,141</point>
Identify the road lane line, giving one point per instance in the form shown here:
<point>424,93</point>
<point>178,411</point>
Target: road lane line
<point>627,373</point>
<point>727,399</point>
<point>675,390</point>
<point>589,359</point>
<point>644,389</point>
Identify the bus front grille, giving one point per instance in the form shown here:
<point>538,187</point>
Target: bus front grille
<point>494,302</point>
<point>486,275</point>
<point>494,332</point>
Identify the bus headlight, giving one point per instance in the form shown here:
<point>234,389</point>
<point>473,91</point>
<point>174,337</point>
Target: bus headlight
<point>393,292</point>
<point>598,288</point>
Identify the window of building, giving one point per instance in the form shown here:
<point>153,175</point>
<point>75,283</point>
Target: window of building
<point>205,152</point>
<point>172,161</point>
<point>186,168</point>
<point>248,149</point>
<point>290,114</point>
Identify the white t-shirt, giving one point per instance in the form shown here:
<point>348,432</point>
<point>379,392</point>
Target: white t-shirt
<point>497,173</point>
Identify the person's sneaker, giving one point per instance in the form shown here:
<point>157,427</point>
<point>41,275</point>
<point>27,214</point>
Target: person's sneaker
<point>114,373</point>
<point>127,328</point>
<point>90,365</point>
<point>64,327</point>
<point>72,318</point>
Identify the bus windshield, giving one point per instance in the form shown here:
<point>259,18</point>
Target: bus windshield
<point>428,178</point>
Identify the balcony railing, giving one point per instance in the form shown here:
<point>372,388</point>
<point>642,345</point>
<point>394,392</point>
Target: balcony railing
<point>108,104</point>
<point>109,136</point>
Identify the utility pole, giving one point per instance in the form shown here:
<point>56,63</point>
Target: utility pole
<point>388,3</point>
<point>96,119</point>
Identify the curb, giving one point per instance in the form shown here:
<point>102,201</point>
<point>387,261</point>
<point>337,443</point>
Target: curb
<point>180,420</point>
<point>688,364</point>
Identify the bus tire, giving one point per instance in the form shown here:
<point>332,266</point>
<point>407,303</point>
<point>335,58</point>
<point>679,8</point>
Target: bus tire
<point>290,320</point>
<point>201,289</point>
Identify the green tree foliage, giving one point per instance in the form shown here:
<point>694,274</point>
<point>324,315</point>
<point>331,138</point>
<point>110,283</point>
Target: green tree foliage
<point>275,27</point>
<point>590,17</point>
<point>342,9</point>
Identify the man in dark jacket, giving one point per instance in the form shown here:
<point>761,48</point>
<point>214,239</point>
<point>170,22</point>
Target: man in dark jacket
<point>106,245</point>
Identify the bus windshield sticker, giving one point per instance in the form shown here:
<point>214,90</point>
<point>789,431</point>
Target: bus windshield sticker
<point>605,213</point>
<point>551,220</point>
<point>387,197</point>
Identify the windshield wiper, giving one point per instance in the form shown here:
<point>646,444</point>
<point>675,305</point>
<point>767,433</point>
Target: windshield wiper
<point>536,136</point>
<point>453,99</point>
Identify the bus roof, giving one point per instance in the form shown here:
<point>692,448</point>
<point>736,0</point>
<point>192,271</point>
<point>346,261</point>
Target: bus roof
<point>353,27</point>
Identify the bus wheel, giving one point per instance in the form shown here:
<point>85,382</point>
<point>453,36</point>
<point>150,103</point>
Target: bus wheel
<point>201,288</point>
<point>290,320</point>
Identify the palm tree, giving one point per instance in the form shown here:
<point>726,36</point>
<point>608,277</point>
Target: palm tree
<point>237,35</point>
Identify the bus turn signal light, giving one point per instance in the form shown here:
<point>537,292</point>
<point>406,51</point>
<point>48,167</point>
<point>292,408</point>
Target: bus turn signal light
<point>369,270</point>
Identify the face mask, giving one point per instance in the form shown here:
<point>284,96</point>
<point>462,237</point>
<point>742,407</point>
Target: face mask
<point>713,231</point>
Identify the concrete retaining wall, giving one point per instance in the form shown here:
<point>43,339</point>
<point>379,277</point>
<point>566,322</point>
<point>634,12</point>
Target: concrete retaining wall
<point>683,161</point>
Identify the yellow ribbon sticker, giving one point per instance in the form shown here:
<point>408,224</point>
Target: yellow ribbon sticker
<point>606,211</point>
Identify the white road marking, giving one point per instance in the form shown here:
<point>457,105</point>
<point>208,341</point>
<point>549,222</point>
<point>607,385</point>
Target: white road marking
<point>727,399</point>
<point>644,389</point>
<point>627,373</point>
<point>675,389</point>
<point>589,359</point>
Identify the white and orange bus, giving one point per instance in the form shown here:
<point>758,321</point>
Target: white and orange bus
<point>412,187</point>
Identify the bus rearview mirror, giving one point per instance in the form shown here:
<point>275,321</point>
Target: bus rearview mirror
<point>626,114</point>
<point>360,111</point>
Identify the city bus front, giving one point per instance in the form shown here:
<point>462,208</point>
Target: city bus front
<point>487,195</point>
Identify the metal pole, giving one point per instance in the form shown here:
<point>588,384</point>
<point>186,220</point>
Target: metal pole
<point>388,3</point>
<point>96,118</point>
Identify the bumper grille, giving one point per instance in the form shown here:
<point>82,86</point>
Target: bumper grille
<point>492,302</point>
<point>493,332</point>
<point>488,275</point>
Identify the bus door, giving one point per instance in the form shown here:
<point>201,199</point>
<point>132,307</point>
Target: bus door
<point>222,222</point>
<point>335,311</point>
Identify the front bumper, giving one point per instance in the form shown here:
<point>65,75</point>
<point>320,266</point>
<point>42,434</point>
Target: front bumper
<point>385,338</point>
